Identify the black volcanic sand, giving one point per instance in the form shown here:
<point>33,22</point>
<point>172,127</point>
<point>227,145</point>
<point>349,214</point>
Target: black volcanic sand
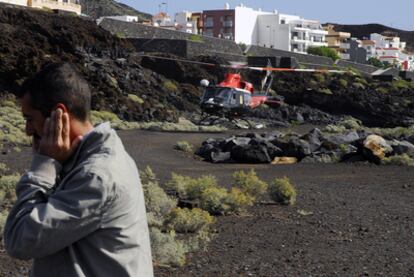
<point>349,220</point>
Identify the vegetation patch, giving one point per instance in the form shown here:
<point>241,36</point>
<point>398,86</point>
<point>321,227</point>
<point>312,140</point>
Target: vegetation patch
<point>184,146</point>
<point>170,86</point>
<point>282,191</point>
<point>136,98</point>
<point>250,183</point>
<point>401,160</point>
<point>188,220</point>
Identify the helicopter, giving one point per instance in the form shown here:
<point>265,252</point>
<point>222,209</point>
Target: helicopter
<point>234,98</point>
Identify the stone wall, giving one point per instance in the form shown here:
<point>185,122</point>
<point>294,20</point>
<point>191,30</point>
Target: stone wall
<point>309,61</point>
<point>365,68</point>
<point>192,45</point>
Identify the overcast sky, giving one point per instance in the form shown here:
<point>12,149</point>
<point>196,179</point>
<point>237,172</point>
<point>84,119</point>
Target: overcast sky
<point>396,13</point>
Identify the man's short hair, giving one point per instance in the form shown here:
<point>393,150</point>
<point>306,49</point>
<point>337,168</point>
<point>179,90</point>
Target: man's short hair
<point>59,83</point>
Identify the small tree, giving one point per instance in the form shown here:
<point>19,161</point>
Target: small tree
<point>324,51</point>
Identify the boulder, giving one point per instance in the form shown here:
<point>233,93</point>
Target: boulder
<point>402,147</point>
<point>234,141</point>
<point>376,148</point>
<point>220,157</point>
<point>284,160</point>
<point>250,154</point>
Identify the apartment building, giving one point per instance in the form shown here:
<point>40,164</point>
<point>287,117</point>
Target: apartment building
<point>189,22</point>
<point>338,41</point>
<point>269,29</point>
<point>72,6</point>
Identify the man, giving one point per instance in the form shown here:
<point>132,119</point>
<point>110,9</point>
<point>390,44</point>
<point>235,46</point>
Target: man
<point>80,208</point>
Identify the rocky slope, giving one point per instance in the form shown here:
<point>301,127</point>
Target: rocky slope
<point>98,8</point>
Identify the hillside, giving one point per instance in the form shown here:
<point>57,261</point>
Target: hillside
<point>98,8</point>
<point>361,31</point>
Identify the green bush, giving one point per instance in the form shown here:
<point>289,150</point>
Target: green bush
<point>319,78</point>
<point>343,83</point>
<point>3,218</point>
<point>195,38</point>
<point>136,98</point>
<point>3,168</point>
<point>351,123</point>
<point>7,188</point>
<point>167,250</point>
<point>324,51</point>
<point>238,201</point>
<point>250,183</point>
<point>188,221</point>
<point>401,84</point>
<point>189,188</point>
<point>401,160</point>
<point>282,191</point>
<point>170,86</point>
<point>184,146</point>
<point>326,91</point>
<point>213,200</point>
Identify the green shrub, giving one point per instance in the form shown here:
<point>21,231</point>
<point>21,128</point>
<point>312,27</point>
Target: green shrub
<point>351,123</point>
<point>167,250</point>
<point>189,188</point>
<point>170,86</point>
<point>238,201</point>
<point>213,200</point>
<point>250,183</point>
<point>401,160</point>
<point>7,188</point>
<point>184,146</point>
<point>188,221</point>
<point>3,168</point>
<point>326,91</point>
<point>382,90</point>
<point>343,83</point>
<point>136,98</point>
<point>319,78</point>
<point>401,84</point>
<point>195,38</point>
<point>358,85</point>
<point>324,51</point>
<point>3,218</point>
<point>282,191</point>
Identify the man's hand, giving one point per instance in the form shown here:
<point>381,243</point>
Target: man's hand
<point>55,141</point>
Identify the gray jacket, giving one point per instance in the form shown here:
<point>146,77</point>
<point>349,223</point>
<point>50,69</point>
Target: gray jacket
<point>86,218</point>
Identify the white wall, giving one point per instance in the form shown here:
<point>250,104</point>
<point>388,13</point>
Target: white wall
<point>15,2</point>
<point>246,25</point>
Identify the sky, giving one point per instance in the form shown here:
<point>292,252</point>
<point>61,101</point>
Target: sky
<point>397,13</point>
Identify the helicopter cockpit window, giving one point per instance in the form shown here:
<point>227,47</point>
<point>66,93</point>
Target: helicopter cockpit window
<point>217,93</point>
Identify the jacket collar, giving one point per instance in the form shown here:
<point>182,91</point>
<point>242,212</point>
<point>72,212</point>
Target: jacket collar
<point>97,135</point>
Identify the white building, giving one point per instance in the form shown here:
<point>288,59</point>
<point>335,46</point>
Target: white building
<point>185,23</point>
<point>389,49</point>
<point>124,18</point>
<point>268,29</point>
<point>72,6</point>
<point>15,2</point>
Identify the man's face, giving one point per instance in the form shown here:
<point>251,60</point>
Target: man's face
<point>34,120</point>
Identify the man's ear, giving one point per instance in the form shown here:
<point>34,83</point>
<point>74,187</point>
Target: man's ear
<point>62,107</point>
